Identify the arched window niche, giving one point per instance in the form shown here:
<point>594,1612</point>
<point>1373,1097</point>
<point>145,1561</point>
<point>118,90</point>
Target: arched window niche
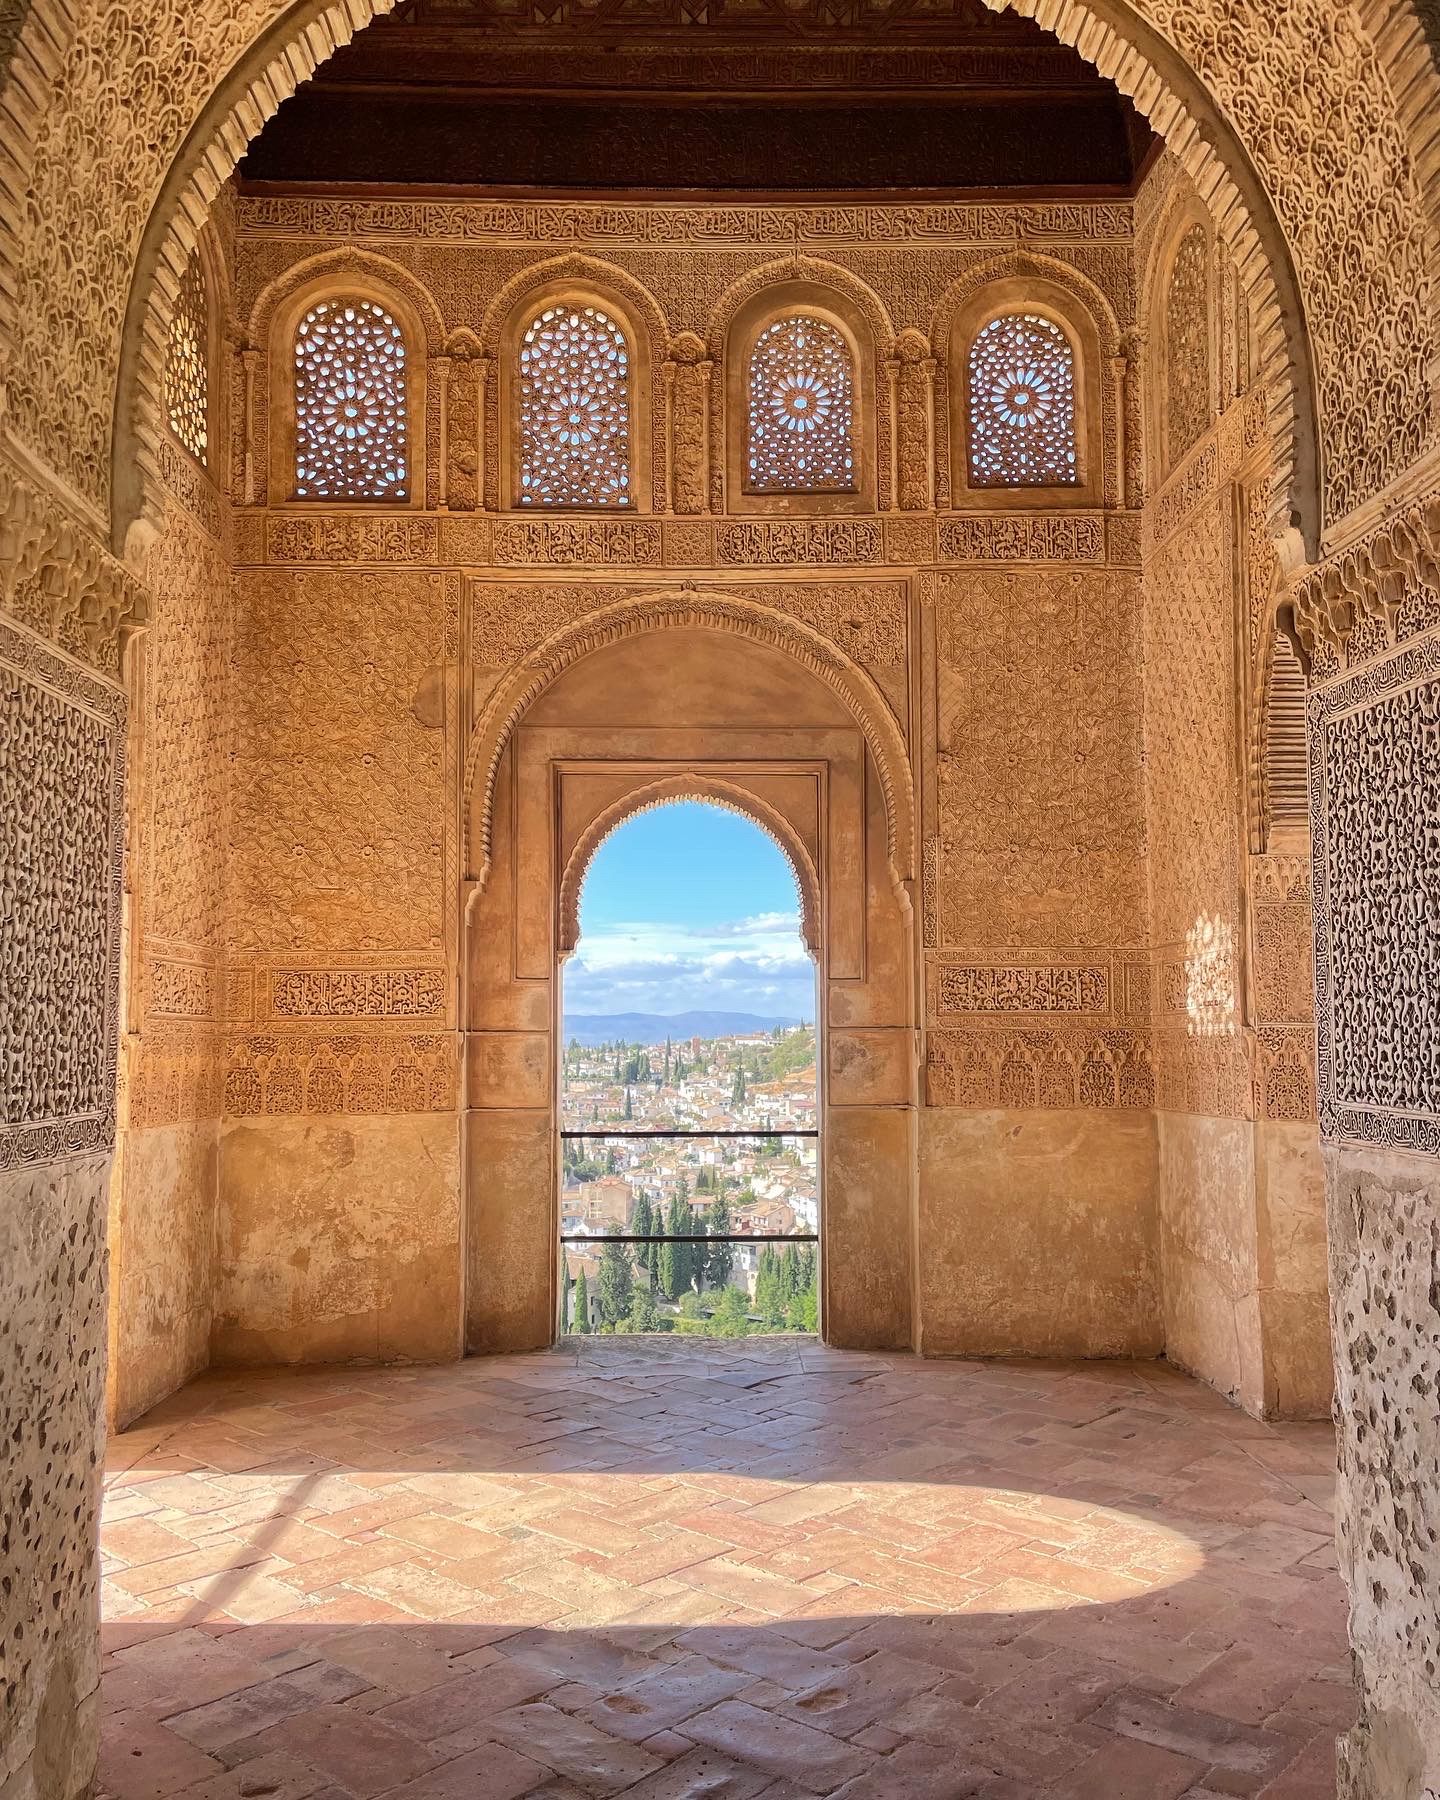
<point>1182,376</point>
<point>800,408</point>
<point>575,404</point>
<point>799,363</point>
<point>348,358</point>
<point>1027,405</point>
<point>190,385</point>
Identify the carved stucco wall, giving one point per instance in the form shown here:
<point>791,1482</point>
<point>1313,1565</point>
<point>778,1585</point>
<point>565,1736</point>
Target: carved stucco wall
<point>83,163</point>
<point>1243,1251</point>
<point>339,1184</point>
<point>1375,751</point>
<point>135,85</point>
<point>62,743</point>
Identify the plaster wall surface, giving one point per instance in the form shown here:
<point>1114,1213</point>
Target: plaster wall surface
<point>338,1240</point>
<point>1210,1253</point>
<point>1384,1210</point>
<point>162,1262</point>
<point>1038,1233</point>
<point>52,1381</point>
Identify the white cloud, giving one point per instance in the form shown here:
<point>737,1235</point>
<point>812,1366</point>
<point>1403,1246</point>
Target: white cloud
<point>749,965</point>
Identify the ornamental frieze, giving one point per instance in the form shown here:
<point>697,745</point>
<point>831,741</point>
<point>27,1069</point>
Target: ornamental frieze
<point>971,988</point>
<point>1023,537</point>
<point>565,222</point>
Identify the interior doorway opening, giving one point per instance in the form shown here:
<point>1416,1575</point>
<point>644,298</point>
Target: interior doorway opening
<point>689,1108</point>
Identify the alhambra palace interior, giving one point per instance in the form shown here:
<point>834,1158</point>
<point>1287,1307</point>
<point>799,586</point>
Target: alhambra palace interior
<point>406,476</point>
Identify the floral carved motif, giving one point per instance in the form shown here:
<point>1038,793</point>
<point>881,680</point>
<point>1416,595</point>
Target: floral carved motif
<point>1375,760</point>
<point>1187,344</point>
<point>963,988</point>
<point>62,736</point>
<point>58,581</point>
<point>690,372</point>
<point>1023,537</point>
<point>358,993</point>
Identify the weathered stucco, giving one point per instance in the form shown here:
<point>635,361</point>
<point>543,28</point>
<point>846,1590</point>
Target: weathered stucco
<point>1038,1234</point>
<point>162,1263</point>
<point>1384,1212</point>
<point>52,1383</point>
<point>339,1240</point>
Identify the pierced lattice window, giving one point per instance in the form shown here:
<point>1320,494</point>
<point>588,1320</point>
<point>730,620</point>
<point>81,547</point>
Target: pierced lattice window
<point>574,410</point>
<point>350,426</point>
<point>802,405</point>
<point>1187,345</point>
<point>187,373</point>
<point>1022,404</point>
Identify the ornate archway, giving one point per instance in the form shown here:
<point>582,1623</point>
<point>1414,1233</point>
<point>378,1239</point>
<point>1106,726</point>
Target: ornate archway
<point>1225,136</point>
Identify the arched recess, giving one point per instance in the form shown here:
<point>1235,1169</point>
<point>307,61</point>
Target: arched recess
<point>662,698</point>
<point>583,281</point>
<point>270,330</point>
<point>1017,283</point>
<point>1183,221</point>
<point>832,293</point>
<point>716,791</point>
<point>644,614</point>
<point>1109,34</point>
<point>212,467</point>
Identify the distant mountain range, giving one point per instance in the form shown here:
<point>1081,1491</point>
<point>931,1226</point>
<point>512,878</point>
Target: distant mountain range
<point>653,1028</point>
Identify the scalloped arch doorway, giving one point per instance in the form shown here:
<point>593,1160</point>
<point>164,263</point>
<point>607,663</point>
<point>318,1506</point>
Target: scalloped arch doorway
<point>610,730</point>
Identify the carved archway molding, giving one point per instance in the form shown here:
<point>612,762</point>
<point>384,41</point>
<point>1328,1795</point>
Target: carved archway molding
<point>673,610</point>
<point>714,790</point>
<point>1107,33</point>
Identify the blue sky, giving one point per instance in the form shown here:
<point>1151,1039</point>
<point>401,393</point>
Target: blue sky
<point>690,906</point>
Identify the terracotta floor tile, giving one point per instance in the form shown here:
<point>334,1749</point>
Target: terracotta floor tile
<point>737,1572</point>
<point>782,1747</point>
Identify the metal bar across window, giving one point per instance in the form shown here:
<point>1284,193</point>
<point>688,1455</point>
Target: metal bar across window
<point>758,1132</point>
<point>725,1237</point>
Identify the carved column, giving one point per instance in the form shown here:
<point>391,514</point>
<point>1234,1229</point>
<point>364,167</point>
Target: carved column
<point>440,375</point>
<point>462,432</point>
<point>247,364</point>
<point>912,413</point>
<point>1129,366</point>
<point>481,367</point>
<point>687,379</point>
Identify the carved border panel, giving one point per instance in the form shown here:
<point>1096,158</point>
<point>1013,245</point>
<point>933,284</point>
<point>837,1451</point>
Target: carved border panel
<point>62,778</point>
<point>1375,797</point>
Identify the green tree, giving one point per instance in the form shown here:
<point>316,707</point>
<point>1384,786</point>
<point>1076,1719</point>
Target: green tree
<point>582,1305</point>
<point>790,1273</point>
<point>629,1105</point>
<point>643,1223</point>
<point>644,1315</point>
<point>675,1270</point>
<point>737,1087</point>
<point>719,1258</point>
<point>729,1318</point>
<point>770,1295</point>
<point>616,1281</point>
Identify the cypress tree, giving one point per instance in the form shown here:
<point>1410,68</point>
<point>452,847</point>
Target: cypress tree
<point>582,1305</point>
<point>616,1282</point>
<point>642,1224</point>
<point>676,1265</point>
<point>719,1258</point>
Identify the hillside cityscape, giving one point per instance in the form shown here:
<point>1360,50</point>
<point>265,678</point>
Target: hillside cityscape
<point>760,1079</point>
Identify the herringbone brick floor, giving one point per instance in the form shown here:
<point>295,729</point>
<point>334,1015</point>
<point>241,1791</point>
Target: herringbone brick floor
<point>731,1571</point>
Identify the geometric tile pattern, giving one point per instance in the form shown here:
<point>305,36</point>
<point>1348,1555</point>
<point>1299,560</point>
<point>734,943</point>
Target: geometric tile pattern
<point>740,1571</point>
